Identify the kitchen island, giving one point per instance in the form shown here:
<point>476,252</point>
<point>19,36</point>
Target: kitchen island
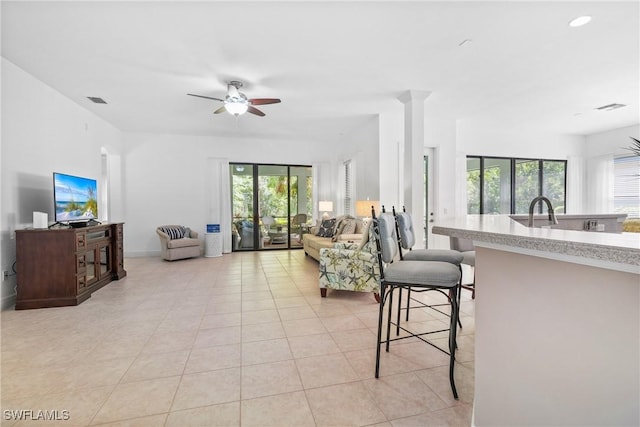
<point>557,323</point>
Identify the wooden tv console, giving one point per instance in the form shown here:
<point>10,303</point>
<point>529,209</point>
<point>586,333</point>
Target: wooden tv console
<point>63,266</point>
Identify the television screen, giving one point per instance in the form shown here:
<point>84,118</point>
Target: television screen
<point>76,198</point>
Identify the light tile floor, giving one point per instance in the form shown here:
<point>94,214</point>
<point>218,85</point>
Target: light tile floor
<point>243,339</point>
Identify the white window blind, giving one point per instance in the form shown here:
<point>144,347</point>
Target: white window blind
<point>347,187</point>
<point>626,187</point>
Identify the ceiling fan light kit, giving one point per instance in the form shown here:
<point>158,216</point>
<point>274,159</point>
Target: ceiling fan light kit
<point>237,103</point>
<point>236,107</point>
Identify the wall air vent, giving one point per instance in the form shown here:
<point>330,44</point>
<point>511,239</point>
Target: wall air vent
<point>610,107</point>
<point>97,100</point>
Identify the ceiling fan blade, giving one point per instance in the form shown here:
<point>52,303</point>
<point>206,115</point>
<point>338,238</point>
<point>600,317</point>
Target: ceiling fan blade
<point>220,110</point>
<point>254,110</point>
<point>263,101</point>
<point>206,97</point>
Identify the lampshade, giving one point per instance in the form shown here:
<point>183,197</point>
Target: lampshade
<point>363,207</point>
<point>236,108</point>
<point>325,205</point>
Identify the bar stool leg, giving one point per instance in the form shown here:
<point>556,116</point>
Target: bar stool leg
<point>408,303</point>
<point>452,339</point>
<point>399,310</point>
<point>391,289</point>
<point>383,298</point>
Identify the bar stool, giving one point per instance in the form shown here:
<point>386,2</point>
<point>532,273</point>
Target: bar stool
<point>436,276</point>
<point>406,240</point>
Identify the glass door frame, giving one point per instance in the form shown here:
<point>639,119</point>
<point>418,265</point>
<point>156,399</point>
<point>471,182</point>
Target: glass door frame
<point>256,214</point>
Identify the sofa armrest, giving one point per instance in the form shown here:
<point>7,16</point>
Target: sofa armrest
<point>333,253</point>
<point>192,234</point>
<point>349,237</point>
<point>162,234</point>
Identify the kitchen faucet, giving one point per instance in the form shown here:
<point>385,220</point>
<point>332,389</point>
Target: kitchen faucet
<point>552,215</point>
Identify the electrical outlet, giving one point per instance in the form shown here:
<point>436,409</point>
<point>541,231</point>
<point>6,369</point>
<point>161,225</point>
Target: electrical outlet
<point>5,274</point>
<point>591,224</point>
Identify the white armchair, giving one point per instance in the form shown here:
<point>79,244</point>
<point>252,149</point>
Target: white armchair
<point>178,242</point>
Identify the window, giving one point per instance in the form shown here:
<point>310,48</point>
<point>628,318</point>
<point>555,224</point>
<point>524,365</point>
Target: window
<point>473,185</point>
<point>626,186</point>
<point>496,186</point>
<point>499,185</point>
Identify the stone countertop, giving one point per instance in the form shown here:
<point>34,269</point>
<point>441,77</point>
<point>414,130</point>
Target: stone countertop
<point>606,250</point>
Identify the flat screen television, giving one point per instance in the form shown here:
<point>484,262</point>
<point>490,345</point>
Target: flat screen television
<point>75,198</point>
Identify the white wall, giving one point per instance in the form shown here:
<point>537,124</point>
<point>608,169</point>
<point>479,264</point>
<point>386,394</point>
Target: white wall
<point>391,158</point>
<point>475,139</point>
<point>166,178</point>
<point>614,142</point>
<point>43,132</point>
<point>360,145</point>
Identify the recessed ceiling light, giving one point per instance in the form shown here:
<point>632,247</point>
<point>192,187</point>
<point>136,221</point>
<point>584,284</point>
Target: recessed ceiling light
<point>580,21</point>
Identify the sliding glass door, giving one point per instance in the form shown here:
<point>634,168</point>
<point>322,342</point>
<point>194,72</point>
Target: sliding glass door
<point>272,205</point>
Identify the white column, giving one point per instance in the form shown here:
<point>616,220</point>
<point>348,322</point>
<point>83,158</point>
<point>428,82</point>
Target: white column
<point>413,101</point>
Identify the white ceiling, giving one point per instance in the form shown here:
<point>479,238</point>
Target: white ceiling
<point>333,64</point>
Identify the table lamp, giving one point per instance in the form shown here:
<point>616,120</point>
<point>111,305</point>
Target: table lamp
<point>326,206</point>
<point>363,209</point>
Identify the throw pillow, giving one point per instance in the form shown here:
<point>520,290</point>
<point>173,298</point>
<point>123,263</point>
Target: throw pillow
<point>349,227</point>
<point>346,225</point>
<point>366,225</point>
<point>174,232</point>
<point>340,223</point>
<point>187,232</point>
<point>326,228</point>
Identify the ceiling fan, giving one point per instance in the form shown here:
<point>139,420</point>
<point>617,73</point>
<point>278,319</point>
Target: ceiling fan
<point>237,103</point>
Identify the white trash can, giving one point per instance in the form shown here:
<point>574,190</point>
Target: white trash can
<point>213,241</point>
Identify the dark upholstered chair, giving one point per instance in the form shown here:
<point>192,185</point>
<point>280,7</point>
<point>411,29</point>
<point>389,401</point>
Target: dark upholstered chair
<point>438,276</point>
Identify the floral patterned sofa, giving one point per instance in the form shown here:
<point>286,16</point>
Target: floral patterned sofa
<point>351,266</point>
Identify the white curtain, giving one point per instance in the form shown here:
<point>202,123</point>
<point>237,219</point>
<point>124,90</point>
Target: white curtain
<point>575,186</point>
<point>315,190</point>
<point>321,175</point>
<point>220,199</point>
<point>600,181</point>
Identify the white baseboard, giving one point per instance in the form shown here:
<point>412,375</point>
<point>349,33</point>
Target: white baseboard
<point>141,254</point>
<point>8,302</point>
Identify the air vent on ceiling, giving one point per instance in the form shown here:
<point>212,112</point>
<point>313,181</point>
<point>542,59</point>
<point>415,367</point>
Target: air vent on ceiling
<point>610,107</point>
<point>97,100</point>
